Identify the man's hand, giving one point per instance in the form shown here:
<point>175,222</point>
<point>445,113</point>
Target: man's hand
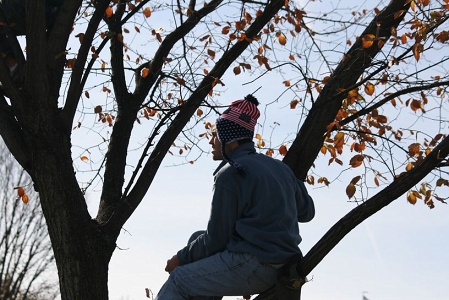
<point>172,263</point>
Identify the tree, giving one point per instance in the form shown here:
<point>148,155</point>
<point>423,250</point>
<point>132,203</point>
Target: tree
<point>26,254</point>
<point>174,82</point>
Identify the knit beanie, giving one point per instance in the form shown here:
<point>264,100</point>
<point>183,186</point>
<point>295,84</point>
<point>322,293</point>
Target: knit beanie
<point>236,123</point>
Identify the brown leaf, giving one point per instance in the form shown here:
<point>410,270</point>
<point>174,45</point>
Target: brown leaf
<point>411,198</point>
<point>356,160</point>
<point>368,40</point>
<point>283,150</point>
<point>98,109</point>
<point>80,37</point>
<point>356,179</point>
<point>399,13</point>
<point>211,53</point>
<point>147,12</point>
<point>369,88</point>
<point>350,190</point>
<point>293,103</point>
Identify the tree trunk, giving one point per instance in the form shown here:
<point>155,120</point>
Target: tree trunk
<point>83,270</point>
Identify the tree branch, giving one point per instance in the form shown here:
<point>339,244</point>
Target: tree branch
<point>75,88</point>
<point>323,112</point>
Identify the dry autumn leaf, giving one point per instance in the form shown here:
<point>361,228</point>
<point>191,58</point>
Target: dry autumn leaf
<point>98,109</point>
<point>350,190</point>
<point>25,198</point>
<point>369,88</point>
<point>294,103</point>
<point>84,158</point>
<point>356,160</point>
<point>108,12</point>
<point>368,40</point>
<point>409,167</point>
<point>283,150</point>
<point>282,40</point>
<point>20,191</point>
<point>211,53</point>
<point>145,72</point>
<point>411,198</point>
<point>147,12</point>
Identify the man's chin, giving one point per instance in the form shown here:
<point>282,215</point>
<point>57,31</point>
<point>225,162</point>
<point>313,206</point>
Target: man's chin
<point>217,157</point>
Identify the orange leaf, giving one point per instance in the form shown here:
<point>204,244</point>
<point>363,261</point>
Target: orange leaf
<point>147,12</point>
<point>84,158</point>
<point>369,88</point>
<point>409,167</point>
<point>368,40</point>
<point>411,198</point>
<point>199,112</point>
<point>270,152</point>
<point>258,136</point>
<point>323,150</point>
<point>145,72</point>
<point>283,150</point>
<point>417,49</point>
<point>404,39</point>
<point>20,191</point>
<point>108,12</point>
<point>25,198</point>
<point>282,40</point>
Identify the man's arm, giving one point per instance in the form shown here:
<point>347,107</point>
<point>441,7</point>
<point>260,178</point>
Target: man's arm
<point>224,213</point>
<point>304,204</point>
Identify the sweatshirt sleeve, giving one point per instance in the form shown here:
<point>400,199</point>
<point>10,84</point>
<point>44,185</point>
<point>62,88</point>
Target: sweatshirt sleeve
<point>304,204</point>
<point>224,212</point>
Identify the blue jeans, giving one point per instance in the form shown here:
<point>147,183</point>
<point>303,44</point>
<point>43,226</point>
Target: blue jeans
<point>223,274</point>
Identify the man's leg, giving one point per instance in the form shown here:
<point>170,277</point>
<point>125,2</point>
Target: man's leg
<point>223,274</point>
